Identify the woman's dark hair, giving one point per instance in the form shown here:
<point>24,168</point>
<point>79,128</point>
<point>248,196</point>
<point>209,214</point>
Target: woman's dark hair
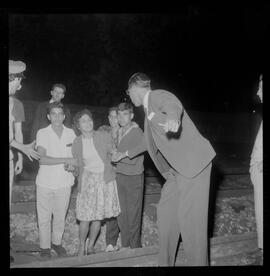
<point>78,116</point>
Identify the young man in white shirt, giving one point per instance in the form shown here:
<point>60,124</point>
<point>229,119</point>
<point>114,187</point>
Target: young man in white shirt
<point>53,181</point>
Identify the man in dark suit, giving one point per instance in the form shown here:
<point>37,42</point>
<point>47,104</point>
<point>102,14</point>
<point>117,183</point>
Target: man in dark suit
<point>40,120</point>
<point>184,157</point>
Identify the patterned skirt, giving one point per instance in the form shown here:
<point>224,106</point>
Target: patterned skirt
<point>97,200</point>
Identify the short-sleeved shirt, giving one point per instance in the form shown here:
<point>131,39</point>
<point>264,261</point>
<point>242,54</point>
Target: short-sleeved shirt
<point>16,115</point>
<point>55,176</point>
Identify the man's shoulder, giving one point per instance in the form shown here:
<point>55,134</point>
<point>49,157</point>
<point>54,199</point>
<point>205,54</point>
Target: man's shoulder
<point>69,130</point>
<point>160,92</point>
<point>45,130</point>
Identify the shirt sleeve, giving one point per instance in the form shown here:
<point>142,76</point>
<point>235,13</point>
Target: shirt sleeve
<point>41,140</point>
<point>18,111</point>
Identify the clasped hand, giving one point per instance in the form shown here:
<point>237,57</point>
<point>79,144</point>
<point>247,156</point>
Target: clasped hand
<point>171,125</point>
<point>70,164</point>
<point>117,156</point>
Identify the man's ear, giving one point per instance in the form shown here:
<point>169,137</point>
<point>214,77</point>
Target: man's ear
<point>51,93</point>
<point>49,117</point>
<point>132,116</point>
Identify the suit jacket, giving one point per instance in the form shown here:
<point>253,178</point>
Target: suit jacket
<point>41,120</point>
<point>104,144</point>
<point>186,151</point>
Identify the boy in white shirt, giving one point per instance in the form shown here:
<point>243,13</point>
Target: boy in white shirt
<point>53,181</point>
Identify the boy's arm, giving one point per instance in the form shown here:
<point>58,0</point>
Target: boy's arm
<point>48,160</point>
<point>18,135</point>
<point>137,148</point>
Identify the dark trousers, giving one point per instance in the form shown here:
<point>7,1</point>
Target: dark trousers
<point>112,231</point>
<point>183,208</point>
<point>130,193</point>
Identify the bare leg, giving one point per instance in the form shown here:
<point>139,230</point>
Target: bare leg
<point>94,231</point>
<point>83,230</point>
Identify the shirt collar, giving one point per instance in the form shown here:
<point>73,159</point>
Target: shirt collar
<point>145,99</point>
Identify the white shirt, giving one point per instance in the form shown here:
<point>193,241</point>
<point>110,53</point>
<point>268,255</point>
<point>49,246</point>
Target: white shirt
<point>11,120</point>
<point>91,158</point>
<point>55,176</point>
<point>145,101</point>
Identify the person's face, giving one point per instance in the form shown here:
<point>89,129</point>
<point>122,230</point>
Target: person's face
<point>113,120</point>
<point>135,94</point>
<point>125,117</point>
<point>259,93</point>
<point>56,116</point>
<point>85,123</point>
<point>57,94</point>
<point>14,86</point>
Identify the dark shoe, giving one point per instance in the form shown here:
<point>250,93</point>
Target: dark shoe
<point>11,259</point>
<point>60,250</point>
<point>45,253</point>
<point>91,251</point>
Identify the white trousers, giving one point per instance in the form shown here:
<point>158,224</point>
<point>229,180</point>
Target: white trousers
<point>50,203</point>
<point>11,178</point>
<point>257,181</point>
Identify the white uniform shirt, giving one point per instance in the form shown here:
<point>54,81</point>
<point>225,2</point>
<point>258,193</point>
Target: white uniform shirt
<point>55,176</point>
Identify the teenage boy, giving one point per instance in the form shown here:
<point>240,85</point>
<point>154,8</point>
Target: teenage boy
<point>129,178</point>
<point>53,181</point>
<point>57,92</point>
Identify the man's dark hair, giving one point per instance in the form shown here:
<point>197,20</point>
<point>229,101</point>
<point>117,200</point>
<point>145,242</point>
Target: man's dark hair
<point>139,79</point>
<point>125,106</point>
<point>55,105</point>
<point>60,85</point>
<point>78,116</point>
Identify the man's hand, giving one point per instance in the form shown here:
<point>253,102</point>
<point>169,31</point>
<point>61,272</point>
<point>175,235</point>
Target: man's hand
<point>18,166</point>
<point>30,152</point>
<point>117,156</point>
<point>71,162</point>
<point>171,125</point>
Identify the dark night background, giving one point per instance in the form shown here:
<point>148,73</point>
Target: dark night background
<point>210,57</point>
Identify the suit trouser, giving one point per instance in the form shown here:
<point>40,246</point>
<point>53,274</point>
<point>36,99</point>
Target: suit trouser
<point>183,208</point>
<point>51,202</point>
<point>257,181</point>
<point>130,192</point>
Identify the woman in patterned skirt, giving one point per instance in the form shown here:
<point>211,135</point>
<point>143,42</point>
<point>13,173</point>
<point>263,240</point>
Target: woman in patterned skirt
<point>97,197</point>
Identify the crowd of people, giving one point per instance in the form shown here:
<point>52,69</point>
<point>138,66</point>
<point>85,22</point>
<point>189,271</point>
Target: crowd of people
<point>108,164</point>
